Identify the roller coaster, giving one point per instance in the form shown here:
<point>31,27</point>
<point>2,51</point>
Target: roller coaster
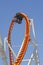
<point>7,40</point>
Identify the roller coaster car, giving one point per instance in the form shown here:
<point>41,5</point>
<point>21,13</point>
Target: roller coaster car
<point>19,18</point>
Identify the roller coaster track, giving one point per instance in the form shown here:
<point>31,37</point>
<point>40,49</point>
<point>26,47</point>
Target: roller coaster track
<point>22,51</point>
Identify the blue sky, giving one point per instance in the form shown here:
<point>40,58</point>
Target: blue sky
<point>34,9</point>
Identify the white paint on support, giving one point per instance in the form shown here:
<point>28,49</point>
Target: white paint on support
<point>33,30</point>
<point>34,56</point>
<point>2,52</point>
<point>6,41</point>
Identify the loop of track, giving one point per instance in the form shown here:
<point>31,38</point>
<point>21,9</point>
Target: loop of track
<point>25,42</point>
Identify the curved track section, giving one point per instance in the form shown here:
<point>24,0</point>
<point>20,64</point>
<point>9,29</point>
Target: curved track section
<point>24,45</point>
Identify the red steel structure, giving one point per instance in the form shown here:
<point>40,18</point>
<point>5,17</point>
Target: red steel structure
<point>22,51</point>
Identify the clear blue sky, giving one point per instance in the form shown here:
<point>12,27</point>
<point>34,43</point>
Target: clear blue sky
<point>34,9</point>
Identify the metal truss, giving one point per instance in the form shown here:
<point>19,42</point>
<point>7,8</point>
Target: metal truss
<point>2,52</point>
<point>34,56</point>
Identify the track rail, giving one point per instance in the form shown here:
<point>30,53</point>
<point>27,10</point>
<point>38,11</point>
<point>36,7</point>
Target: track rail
<point>25,42</point>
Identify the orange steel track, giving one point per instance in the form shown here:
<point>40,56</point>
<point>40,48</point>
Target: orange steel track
<point>25,42</point>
